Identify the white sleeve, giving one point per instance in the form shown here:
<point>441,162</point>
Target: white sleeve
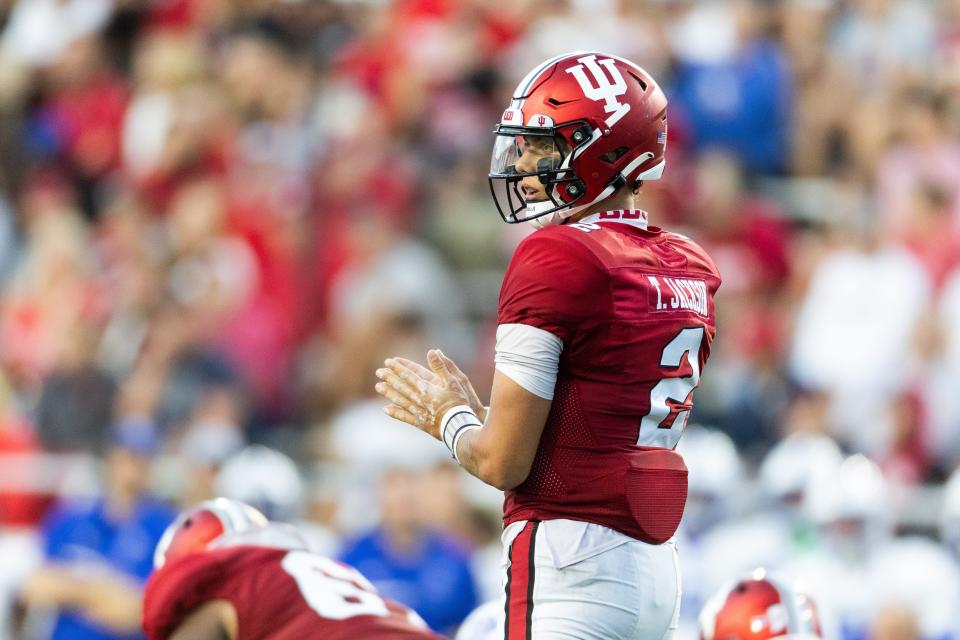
<point>529,356</point>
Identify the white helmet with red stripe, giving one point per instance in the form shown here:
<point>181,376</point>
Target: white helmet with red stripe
<point>759,608</point>
<point>854,490</point>
<point>790,468</point>
<point>265,479</point>
<point>202,526</point>
<point>595,123</point>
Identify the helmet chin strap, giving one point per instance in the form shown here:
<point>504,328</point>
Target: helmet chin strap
<point>557,217</point>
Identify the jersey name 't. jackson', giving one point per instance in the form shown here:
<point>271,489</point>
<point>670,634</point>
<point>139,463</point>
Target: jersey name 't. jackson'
<point>686,294</point>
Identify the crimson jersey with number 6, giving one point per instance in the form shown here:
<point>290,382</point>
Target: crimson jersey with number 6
<point>633,306</point>
<point>278,594</point>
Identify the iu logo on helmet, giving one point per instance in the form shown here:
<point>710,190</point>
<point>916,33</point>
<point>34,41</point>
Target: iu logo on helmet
<point>602,87</point>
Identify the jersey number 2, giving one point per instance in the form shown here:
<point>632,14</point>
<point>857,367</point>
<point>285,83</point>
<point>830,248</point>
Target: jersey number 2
<point>334,591</point>
<point>672,398</point>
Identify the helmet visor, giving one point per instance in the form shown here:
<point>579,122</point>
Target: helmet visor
<point>525,170</point>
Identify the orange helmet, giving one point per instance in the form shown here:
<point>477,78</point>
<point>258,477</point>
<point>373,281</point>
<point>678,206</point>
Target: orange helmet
<point>759,608</point>
<point>196,529</point>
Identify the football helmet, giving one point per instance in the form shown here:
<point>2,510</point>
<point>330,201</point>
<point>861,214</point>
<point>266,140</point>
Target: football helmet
<point>265,479</point>
<point>758,608</point>
<point>855,490</point>
<point>200,527</point>
<point>588,123</point>
<point>851,509</point>
<point>794,463</point>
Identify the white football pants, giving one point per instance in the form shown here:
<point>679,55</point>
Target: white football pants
<point>561,581</point>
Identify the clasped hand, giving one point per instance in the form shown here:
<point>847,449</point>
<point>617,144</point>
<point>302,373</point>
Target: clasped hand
<point>420,396</point>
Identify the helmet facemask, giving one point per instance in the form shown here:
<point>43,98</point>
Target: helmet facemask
<point>544,154</point>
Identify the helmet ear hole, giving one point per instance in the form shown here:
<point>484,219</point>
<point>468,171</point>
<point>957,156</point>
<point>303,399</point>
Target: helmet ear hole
<point>612,156</point>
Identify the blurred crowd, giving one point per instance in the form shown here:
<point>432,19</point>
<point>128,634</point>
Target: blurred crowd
<point>217,217</point>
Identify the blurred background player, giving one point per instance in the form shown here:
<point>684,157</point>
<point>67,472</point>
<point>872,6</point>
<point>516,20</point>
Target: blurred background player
<point>786,474</point>
<point>759,608</point>
<point>780,531</point>
<point>605,324</point>
<point>410,561</point>
<point>270,482</point>
<point>716,489</point>
<point>98,551</point>
<point>225,571</point>
<point>850,572</point>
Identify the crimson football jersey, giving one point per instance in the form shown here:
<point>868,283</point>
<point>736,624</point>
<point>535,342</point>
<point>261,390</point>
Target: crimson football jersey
<point>279,594</point>
<point>633,306</point>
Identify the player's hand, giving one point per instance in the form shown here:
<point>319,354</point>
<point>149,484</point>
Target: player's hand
<point>420,396</point>
<point>441,359</point>
<point>478,407</point>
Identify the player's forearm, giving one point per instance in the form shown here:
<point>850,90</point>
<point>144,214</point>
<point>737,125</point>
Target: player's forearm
<point>113,603</point>
<point>501,453</point>
<point>51,587</point>
<point>114,606</point>
<point>481,460</point>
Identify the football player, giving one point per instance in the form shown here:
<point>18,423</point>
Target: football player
<point>605,324</point>
<point>223,572</point>
<point>862,569</point>
<point>759,608</point>
<point>778,533</point>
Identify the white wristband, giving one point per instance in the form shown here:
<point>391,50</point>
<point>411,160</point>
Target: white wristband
<point>456,422</point>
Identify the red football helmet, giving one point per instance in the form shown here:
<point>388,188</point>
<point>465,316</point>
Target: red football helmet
<point>759,608</point>
<point>598,122</point>
<point>198,528</point>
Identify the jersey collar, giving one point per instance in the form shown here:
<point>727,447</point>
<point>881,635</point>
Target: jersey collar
<point>633,217</point>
